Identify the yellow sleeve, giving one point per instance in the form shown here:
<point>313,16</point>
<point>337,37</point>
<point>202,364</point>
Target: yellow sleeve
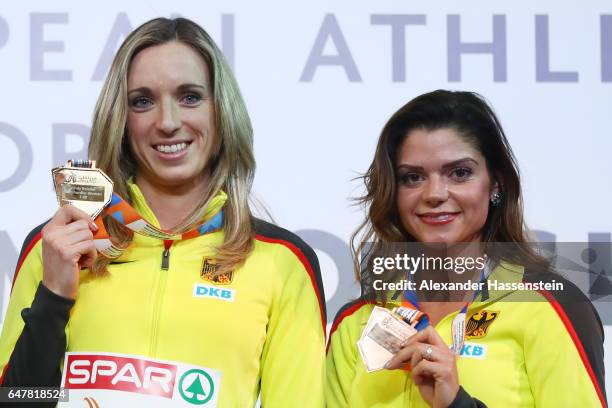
<point>563,348</point>
<point>28,274</point>
<point>293,358</point>
<point>342,356</point>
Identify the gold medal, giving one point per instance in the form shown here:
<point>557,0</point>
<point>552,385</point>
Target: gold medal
<point>81,184</point>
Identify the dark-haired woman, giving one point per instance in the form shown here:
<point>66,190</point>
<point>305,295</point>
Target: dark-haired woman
<point>444,173</point>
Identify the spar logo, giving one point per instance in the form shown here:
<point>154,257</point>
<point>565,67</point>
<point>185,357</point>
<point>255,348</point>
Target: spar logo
<point>90,371</point>
<point>196,387</point>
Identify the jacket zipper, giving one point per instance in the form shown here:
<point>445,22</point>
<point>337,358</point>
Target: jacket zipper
<point>166,257</point>
<point>160,288</point>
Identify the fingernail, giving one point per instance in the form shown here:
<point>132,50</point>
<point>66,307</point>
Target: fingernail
<point>94,226</point>
<point>387,364</point>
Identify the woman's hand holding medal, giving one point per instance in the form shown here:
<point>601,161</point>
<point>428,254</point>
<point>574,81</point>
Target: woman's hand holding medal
<point>433,367</point>
<point>67,246</point>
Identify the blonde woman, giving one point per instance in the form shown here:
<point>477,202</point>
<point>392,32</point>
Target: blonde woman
<point>233,310</point>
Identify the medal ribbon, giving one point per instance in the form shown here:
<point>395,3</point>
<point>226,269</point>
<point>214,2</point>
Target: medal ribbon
<point>121,211</point>
<point>410,302</point>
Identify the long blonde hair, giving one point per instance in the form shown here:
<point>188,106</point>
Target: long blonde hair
<point>232,162</point>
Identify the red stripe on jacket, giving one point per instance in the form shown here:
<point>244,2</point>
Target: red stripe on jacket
<point>570,329</point>
<point>307,266</point>
<point>24,255</point>
<point>345,313</point>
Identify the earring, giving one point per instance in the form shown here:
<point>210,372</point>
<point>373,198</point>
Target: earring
<point>495,199</point>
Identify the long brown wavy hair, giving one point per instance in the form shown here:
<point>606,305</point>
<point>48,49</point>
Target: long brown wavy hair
<point>233,162</point>
<point>469,114</point>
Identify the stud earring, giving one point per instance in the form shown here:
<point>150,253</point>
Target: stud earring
<point>495,199</point>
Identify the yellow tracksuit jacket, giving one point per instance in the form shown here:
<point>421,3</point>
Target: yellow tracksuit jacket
<point>263,331</point>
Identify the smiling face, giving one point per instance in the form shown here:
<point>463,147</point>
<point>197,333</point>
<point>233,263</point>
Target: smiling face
<point>170,118</point>
<point>444,187</point>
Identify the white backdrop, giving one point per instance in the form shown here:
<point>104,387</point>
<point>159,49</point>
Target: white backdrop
<point>320,79</point>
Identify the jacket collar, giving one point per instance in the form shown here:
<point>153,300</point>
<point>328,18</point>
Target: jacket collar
<point>140,204</point>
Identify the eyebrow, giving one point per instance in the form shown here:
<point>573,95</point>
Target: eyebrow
<point>180,88</point>
<point>454,163</point>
